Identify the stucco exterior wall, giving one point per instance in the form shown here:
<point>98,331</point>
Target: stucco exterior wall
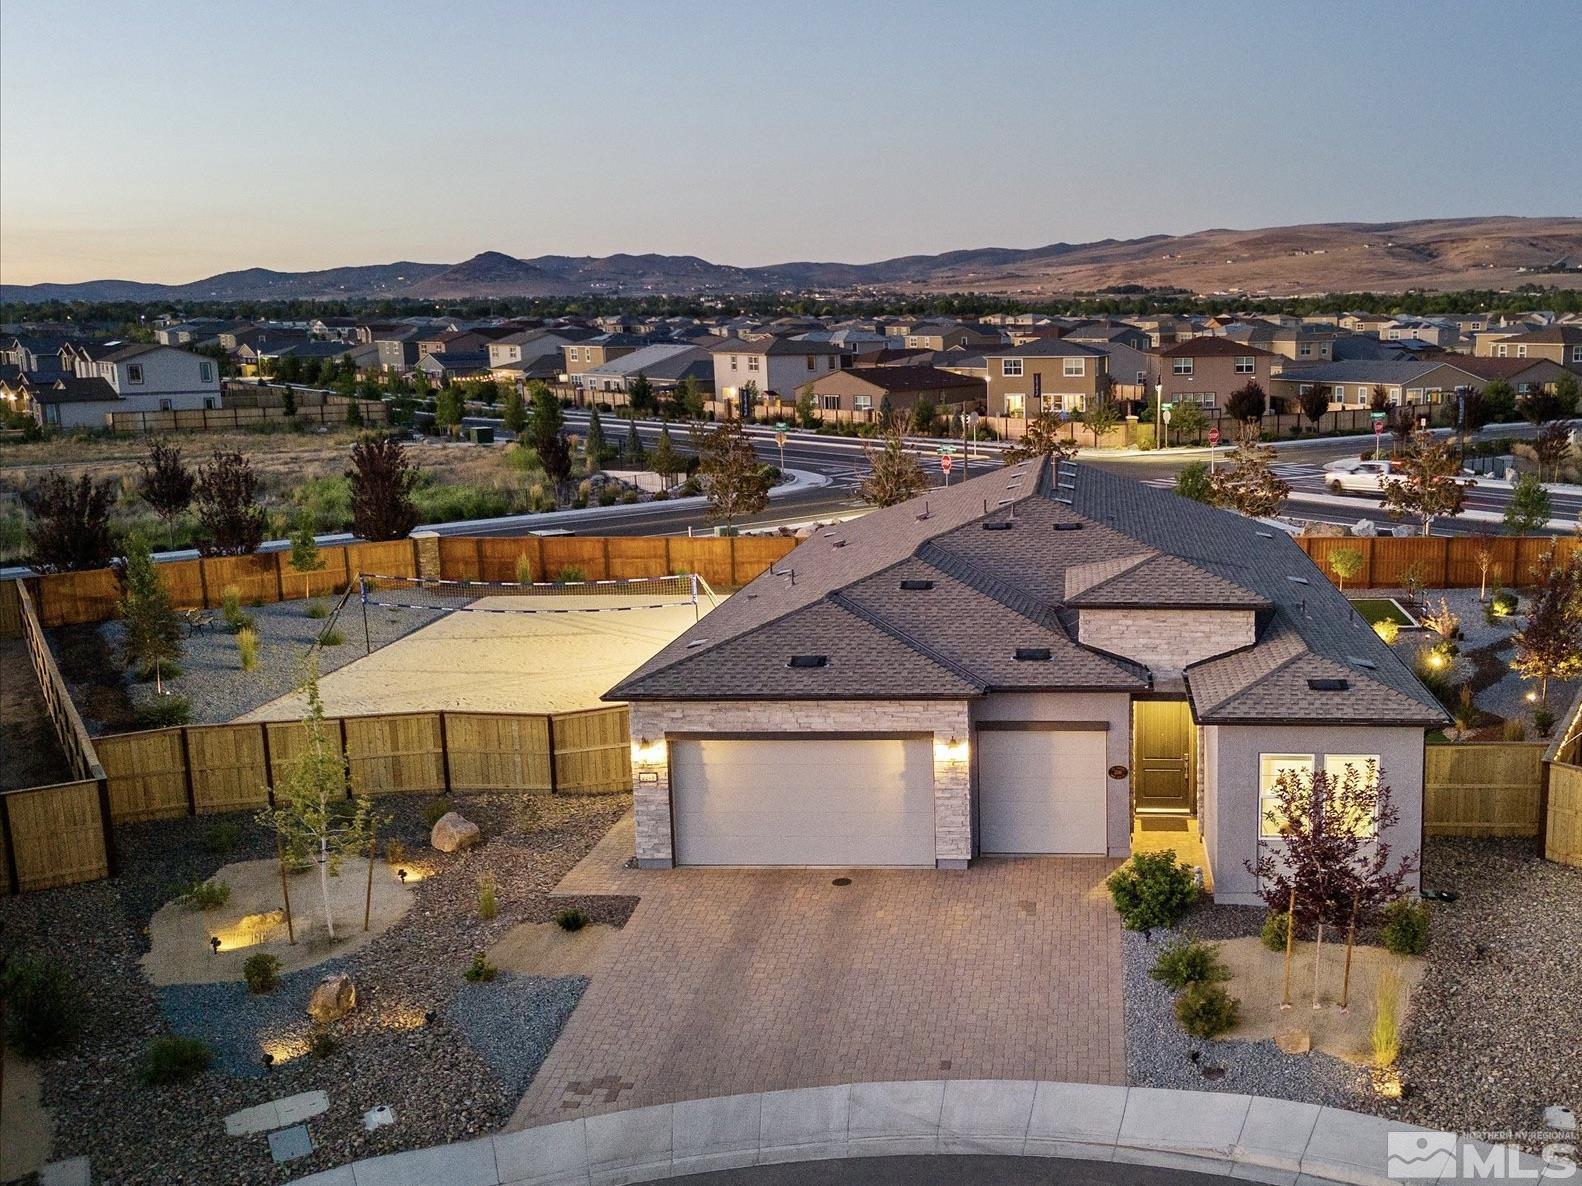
<point>655,720</point>
<point>1113,708</point>
<point>1231,828</point>
<point>1166,639</point>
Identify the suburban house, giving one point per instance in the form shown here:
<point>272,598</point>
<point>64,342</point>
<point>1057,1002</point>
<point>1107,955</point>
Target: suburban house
<point>1557,343</point>
<point>1045,659</point>
<point>780,367</point>
<point>951,335</point>
<point>1300,343</point>
<point>1098,333</point>
<point>1044,375</point>
<point>1523,374</point>
<point>868,389</point>
<point>1351,384</point>
<point>122,377</point>
<point>1206,370</point>
<point>453,364</point>
<point>664,365</point>
<point>596,351</point>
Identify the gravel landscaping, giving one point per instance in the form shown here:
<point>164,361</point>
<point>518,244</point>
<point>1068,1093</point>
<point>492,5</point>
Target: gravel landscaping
<point>1494,1029</point>
<point>450,1079</point>
<point>212,679</point>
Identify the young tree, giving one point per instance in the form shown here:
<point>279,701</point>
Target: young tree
<point>151,635</point>
<point>554,453</point>
<point>633,447</point>
<point>1187,421</point>
<point>166,485</point>
<point>514,417</point>
<point>1192,481</point>
<point>806,409</point>
<point>1314,402</point>
<point>382,478</point>
<point>448,409</point>
<point>1430,485</point>
<point>69,524</point>
<point>748,399</point>
<point>308,815</point>
<point>288,397</point>
<point>231,523</point>
<point>305,556</point>
<point>1551,446</point>
<point>1345,563</point>
<point>1247,403</point>
<point>1499,399</point>
<point>728,469</point>
<point>1099,417</point>
<point>594,447</point>
<point>1378,398</point>
<point>1529,509</point>
<point>1247,483</point>
<point>1043,438</point>
<point>354,412</point>
<point>923,415</point>
<point>1549,643</point>
<point>1544,406</point>
<point>664,460</point>
<point>895,474</point>
<point>686,400</point>
<point>640,395</point>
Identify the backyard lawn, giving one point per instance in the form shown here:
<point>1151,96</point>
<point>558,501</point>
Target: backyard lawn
<point>1383,609</point>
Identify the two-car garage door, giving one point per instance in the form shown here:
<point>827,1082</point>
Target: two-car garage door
<point>803,801</point>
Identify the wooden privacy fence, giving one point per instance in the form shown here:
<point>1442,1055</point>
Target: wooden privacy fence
<point>68,598</point>
<point>1443,561</point>
<point>1562,791</point>
<point>60,835</point>
<point>1482,788</point>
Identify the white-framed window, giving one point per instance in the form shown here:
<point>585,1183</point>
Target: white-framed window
<point>812,361</point>
<point>1367,767</point>
<point>1048,403</point>
<point>208,403</point>
<point>166,405</point>
<point>734,360</point>
<point>863,403</point>
<point>1521,351</point>
<point>1304,349</point>
<point>1181,366</point>
<point>206,372</point>
<point>1072,402</point>
<point>575,353</point>
<point>1016,405</point>
<point>1500,350</point>
<point>1576,354</point>
<point>752,362</point>
<point>1074,368</point>
<point>1270,767</point>
<point>134,372</point>
<point>1395,335</point>
<point>1246,364</point>
<point>1362,396</point>
<point>829,403</point>
<point>831,361</point>
<point>1011,368</point>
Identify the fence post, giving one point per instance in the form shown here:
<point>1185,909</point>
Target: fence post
<point>269,763</point>
<point>444,751</point>
<point>203,583</point>
<point>186,770</point>
<point>1444,564</point>
<point>1542,845</point>
<point>10,844</point>
<point>554,775</point>
<point>605,540</point>
<point>346,566</point>
<point>111,865</point>
<point>345,757</point>
<point>280,575</point>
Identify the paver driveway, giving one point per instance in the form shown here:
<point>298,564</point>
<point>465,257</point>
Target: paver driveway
<point>739,980</point>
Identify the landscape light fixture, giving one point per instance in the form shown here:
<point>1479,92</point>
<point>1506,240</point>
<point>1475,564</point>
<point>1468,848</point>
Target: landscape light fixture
<point>214,944</point>
<point>401,873</point>
<point>269,1060</point>
<point>430,1017</point>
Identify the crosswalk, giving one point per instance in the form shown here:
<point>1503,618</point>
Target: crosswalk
<point>1289,471</point>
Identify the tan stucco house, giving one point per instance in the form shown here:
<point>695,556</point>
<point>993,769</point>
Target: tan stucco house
<point>1040,660</point>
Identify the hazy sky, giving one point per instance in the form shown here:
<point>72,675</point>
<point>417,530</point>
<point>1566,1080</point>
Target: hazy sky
<point>170,141</point>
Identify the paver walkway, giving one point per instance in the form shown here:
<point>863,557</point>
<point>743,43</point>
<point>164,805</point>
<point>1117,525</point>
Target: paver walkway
<point>739,980</point>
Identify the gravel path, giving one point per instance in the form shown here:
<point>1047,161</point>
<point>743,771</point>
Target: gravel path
<point>212,679</point>
<point>440,1085</point>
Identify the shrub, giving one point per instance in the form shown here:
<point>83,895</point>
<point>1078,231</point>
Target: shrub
<point>488,904</point>
<point>1206,1010</point>
<point>480,971</point>
<point>247,647</point>
<point>571,920</point>
<point>161,712</point>
<point>174,1059</point>
<point>1388,629</point>
<point>1543,720</point>
<point>236,618</point>
<point>1385,1036</point>
<point>323,1044</point>
<point>1500,605</point>
<point>1514,729</point>
<point>1405,930</point>
<point>1275,930</point>
<point>1153,889</point>
<point>317,609</point>
<point>261,971</point>
<point>570,573</point>
<point>433,810</point>
<point>1189,961</point>
<point>204,895</point>
<point>524,570</point>
<point>164,669</point>
<point>222,837</point>
<point>395,852</point>
<point>43,1006</point>
<point>331,638</point>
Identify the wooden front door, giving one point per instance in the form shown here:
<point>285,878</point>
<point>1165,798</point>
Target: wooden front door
<point>1164,771</point>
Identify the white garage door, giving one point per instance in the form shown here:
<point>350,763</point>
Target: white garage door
<point>1041,790</point>
<point>812,801</point>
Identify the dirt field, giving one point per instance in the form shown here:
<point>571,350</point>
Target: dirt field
<point>496,662</point>
<point>31,756</point>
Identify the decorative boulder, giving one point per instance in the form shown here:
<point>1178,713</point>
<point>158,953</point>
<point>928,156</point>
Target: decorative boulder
<point>453,832</point>
<point>333,998</point>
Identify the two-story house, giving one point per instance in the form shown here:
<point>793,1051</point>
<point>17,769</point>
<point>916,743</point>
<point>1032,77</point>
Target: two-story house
<point>123,377</point>
<point>779,367</point>
<point>1206,370</point>
<point>1043,376</point>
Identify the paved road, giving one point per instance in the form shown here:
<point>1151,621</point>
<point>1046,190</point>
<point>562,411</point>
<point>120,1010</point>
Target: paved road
<point>944,1170</point>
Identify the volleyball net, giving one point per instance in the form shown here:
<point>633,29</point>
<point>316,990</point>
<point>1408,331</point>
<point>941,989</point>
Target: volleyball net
<point>537,597</point>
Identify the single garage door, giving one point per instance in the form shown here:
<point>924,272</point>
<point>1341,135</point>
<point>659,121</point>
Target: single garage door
<point>812,801</point>
<point>1041,791</point>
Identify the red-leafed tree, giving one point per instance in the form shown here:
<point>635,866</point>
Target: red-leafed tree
<point>382,478</point>
<point>231,523</point>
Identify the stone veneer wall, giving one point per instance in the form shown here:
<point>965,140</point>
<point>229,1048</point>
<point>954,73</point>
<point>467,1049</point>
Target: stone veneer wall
<point>1166,639</point>
<point>944,718</point>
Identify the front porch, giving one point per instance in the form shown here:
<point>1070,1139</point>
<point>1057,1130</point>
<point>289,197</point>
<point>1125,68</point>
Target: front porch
<point>1166,813</point>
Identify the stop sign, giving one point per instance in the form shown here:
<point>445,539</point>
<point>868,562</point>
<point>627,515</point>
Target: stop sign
<point>944,464</point>
<point>1213,436</point>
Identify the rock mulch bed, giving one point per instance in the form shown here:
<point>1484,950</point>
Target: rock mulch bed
<point>1494,1028</point>
<point>212,679</point>
<point>439,1084</point>
<point>512,1021</point>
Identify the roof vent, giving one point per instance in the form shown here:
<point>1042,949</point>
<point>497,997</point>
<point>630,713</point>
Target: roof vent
<point>808,661</point>
<point>840,543</point>
<point>1298,580</point>
<point>697,642</point>
<point>1328,685</point>
<point>1068,527</point>
<point>1365,664</point>
<point>1032,654</point>
<point>1266,534</point>
<point>1002,525</point>
<point>917,586</point>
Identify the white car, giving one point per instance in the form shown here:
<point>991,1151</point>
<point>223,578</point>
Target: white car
<point>1362,476</point>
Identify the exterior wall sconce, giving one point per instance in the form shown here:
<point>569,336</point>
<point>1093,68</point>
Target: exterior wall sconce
<point>647,753</point>
<point>954,750</point>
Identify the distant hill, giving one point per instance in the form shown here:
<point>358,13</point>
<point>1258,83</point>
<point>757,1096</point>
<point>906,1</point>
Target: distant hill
<point>1275,261</point>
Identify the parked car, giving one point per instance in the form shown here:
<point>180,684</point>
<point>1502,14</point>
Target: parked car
<point>1353,475</point>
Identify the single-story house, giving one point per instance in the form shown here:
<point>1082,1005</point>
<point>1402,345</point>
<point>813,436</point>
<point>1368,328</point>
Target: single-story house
<point>1040,660</point>
<point>865,389</point>
<point>664,364</point>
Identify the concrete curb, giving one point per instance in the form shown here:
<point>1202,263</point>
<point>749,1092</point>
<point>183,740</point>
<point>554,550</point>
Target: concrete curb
<point>1245,1137</point>
<point>1368,505</point>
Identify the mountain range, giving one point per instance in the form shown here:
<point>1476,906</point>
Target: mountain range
<point>1495,252</point>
